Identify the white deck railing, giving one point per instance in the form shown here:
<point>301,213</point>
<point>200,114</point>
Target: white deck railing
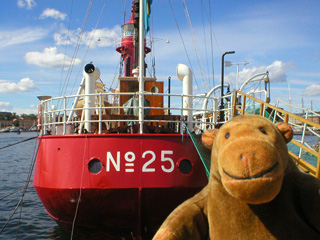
<point>61,116</point>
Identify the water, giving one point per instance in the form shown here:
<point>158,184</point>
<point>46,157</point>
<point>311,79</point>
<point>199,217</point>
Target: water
<point>35,223</point>
<point>15,163</point>
<point>309,139</point>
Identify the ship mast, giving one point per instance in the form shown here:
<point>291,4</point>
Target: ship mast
<point>133,50</point>
<point>129,48</point>
<point>141,64</point>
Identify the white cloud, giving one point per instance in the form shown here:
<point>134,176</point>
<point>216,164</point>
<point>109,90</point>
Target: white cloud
<point>5,107</point>
<point>28,4</point>
<point>96,38</point>
<point>66,37</point>
<point>50,58</point>
<point>277,72</point>
<point>24,85</point>
<point>8,38</point>
<point>53,13</point>
<point>313,90</point>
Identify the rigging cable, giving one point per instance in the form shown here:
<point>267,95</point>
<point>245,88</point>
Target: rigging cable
<point>68,76</point>
<point>152,56</point>
<point>80,190</point>
<point>35,152</point>
<point>211,42</point>
<point>75,53</point>
<point>124,11</point>
<point>115,74</point>
<point>150,42</point>
<point>8,195</point>
<point>184,46</point>
<point>205,42</point>
<point>194,41</point>
<point>18,142</point>
<point>95,28</point>
<point>65,49</point>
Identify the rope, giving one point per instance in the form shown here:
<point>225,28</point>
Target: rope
<point>18,142</point>
<point>85,55</point>
<point>152,55</point>
<point>211,42</point>
<point>204,37</point>
<point>184,46</point>
<point>194,41</point>
<point>115,73</point>
<point>35,151</point>
<point>204,158</point>
<point>80,191</point>
<point>66,83</point>
<point>65,48</point>
<point>124,10</point>
<point>11,193</point>
<point>75,53</point>
<point>24,188</point>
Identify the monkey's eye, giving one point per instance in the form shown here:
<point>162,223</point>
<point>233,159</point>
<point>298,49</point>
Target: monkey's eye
<point>262,130</point>
<point>227,135</point>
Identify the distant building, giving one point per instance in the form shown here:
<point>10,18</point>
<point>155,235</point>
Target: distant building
<point>25,122</point>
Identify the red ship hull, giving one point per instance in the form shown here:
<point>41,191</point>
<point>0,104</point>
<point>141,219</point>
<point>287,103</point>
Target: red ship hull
<point>143,177</point>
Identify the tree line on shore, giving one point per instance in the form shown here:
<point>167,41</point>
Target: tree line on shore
<point>11,116</point>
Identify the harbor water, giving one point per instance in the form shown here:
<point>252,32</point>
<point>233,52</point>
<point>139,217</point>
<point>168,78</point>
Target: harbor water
<point>31,221</point>
<point>311,140</point>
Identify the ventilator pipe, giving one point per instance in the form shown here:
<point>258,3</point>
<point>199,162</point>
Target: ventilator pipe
<point>91,74</point>
<point>185,75</point>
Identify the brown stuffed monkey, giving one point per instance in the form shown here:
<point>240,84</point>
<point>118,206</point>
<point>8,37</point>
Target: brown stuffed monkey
<point>255,190</point>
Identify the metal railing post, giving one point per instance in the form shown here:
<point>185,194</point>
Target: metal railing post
<point>45,117</point>
<point>181,125</point>
<point>100,113</point>
<point>64,116</point>
<point>261,109</point>
<point>243,105</point>
<point>215,111</point>
<point>235,102</point>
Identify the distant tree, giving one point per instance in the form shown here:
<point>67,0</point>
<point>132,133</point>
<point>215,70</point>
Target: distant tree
<point>32,116</point>
<point>6,115</point>
<point>16,123</point>
<point>11,116</point>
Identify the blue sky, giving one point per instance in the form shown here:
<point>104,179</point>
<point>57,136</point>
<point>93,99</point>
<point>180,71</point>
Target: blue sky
<point>37,37</point>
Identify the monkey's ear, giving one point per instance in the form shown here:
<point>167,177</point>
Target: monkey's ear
<point>208,137</point>
<point>285,130</point>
